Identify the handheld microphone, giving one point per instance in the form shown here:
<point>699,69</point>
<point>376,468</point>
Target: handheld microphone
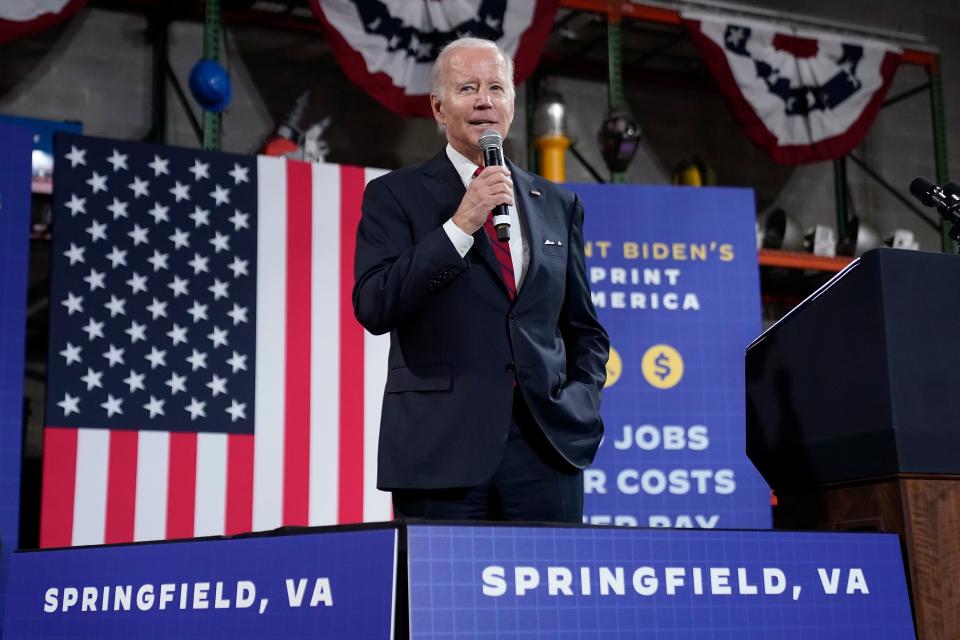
<point>492,145</point>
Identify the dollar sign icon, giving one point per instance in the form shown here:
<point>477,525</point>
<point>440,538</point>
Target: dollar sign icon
<point>662,366</point>
<point>614,368</point>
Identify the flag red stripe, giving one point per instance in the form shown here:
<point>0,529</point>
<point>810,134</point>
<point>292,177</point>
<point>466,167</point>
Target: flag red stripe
<point>59,477</point>
<point>121,487</point>
<point>182,485</point>
<point>350,504</point>
<point>296,444</point>
<point>239,516</point>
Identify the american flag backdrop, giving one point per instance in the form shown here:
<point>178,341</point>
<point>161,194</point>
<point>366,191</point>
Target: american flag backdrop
<point>206,375</point>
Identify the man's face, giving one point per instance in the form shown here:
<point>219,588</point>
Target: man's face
<point>475,96</point>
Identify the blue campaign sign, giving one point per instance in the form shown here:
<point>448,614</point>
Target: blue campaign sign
<point>42,139</point>
<point>605,582</point>
<point>333,584</point>
<point>14,245</point>
<point>674,278</point>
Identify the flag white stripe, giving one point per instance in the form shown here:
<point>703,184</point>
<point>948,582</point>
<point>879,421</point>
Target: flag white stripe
<point>90,494</point>
<point>271,334</point>
<point>150,510</point>
<point>325,346</point>
<point>376,504</point>
<point>210,508</point>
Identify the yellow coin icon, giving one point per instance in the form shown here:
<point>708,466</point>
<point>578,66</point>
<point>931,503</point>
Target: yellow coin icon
<point>662,366</point>
<point>614,368</point>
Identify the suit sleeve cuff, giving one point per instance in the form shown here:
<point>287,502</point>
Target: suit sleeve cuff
<point>462,241</point>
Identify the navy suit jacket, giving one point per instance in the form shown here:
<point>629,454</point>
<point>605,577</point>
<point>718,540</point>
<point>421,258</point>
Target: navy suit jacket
<point>456,339</point>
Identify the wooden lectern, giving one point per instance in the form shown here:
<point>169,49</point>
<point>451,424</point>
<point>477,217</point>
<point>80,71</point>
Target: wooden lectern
<point>853,416</point>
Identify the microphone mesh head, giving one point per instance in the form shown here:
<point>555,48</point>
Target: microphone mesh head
<point>490,139</point>
<point>921,188</point>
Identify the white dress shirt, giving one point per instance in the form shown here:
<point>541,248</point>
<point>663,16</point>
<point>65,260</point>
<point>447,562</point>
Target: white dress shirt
<point>463,241</point>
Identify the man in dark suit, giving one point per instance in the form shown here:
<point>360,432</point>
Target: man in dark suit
<point>497,359</point>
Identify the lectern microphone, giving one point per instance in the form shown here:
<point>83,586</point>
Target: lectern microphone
<point>945,199</point>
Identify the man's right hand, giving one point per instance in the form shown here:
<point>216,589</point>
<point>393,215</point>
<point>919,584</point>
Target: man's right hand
<point>491,188</point>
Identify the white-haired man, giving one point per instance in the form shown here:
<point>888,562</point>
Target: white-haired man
<point>497,359</point>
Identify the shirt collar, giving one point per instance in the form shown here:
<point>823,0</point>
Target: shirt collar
<point>464,166</point>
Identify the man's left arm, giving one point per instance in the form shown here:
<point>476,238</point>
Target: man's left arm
<point>585,339</point>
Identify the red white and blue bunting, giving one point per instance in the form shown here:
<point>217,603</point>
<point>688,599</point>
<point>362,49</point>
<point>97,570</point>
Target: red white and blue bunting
<point>387,47</point>
<point>19,18</point>
<point>802,97</point>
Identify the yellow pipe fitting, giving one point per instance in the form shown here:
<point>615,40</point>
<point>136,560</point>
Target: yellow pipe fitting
<point>552,148</point>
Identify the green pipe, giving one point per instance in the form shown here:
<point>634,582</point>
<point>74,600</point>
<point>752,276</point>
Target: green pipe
<point>840,196</point>
<point>940,147</point>
<point>212,122</point>
<point>615,76</point>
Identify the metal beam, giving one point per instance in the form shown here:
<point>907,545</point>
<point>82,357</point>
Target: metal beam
<point>916,50</point>
<point>906,94</point>
<point>889,188</point>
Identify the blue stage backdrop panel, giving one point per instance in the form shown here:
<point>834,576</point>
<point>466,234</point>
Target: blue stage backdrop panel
<point>333,584</point>
<point>501,582</point>
<point>674,277</point>
<point>14,245</point>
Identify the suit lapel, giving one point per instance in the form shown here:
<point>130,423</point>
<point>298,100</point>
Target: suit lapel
<point>530,213</point>
<point>443,183</point>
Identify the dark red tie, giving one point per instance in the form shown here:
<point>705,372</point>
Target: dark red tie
<point>502,251</point>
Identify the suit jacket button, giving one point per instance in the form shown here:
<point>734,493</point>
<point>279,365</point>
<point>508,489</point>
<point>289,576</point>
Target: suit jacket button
<point>513,317</point>
<point>510,368</point>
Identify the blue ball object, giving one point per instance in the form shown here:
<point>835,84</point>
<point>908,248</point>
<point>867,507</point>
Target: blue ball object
<point>210,85</point>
